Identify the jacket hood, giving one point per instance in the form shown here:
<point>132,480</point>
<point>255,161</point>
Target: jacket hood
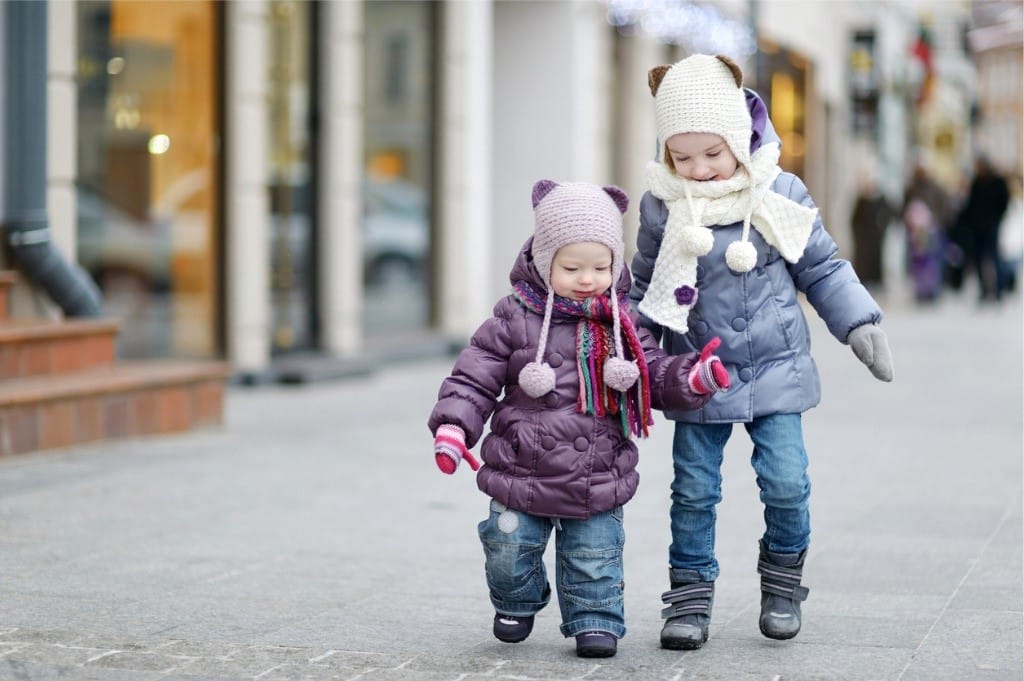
<point>523,269</point>
<point>762,131</point>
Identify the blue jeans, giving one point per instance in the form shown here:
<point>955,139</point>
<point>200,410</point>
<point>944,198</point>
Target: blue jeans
<point>780,462</point>
<point>588,567</point>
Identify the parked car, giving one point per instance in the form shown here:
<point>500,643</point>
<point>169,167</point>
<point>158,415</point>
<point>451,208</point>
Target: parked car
<point>396,230</point>
<point>115,245</point>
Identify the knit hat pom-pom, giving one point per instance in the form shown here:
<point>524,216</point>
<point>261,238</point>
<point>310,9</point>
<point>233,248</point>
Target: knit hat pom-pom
<point>620,374</point>
<point>537,379</point>
<point>698,240</point>
<point>741,256</point>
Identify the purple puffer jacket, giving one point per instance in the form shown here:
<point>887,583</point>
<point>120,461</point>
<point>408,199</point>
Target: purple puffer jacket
<point>541,456</point>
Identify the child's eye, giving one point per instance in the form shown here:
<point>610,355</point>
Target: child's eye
<point>570,269</point>
<point>682,159</point>
<point>603,268</point>
<point>713,154</point>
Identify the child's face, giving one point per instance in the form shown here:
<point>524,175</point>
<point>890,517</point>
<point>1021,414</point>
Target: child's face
<point>581,270</point>
<point>701,156</point>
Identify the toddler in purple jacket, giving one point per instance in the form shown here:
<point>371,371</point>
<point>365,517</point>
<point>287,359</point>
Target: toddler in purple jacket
<point>567,379</point>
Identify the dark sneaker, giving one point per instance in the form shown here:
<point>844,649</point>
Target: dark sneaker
<point>512,629</point>
<point>596,644</point>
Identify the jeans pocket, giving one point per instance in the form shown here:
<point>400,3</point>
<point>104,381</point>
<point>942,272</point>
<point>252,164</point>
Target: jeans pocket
<point>592,578</point>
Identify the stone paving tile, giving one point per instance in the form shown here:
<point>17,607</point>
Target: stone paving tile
<point>55,654</point>
<point>142,662</point>
<point>31,671</point>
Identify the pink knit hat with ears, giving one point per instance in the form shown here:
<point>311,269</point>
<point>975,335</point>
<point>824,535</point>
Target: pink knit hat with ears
<point>569,213</point>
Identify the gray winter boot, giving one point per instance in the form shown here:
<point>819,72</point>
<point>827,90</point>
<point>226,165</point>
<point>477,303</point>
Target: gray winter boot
<point>688,614</point>
<point>781,593</point>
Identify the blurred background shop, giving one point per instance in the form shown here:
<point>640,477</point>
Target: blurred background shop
<point>301,188</point>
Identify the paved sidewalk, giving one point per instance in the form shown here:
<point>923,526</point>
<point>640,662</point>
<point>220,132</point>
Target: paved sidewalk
<point>313,538</point>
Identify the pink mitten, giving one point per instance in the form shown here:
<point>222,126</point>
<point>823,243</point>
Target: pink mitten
<point>708,375</point>
<point>450,449</point>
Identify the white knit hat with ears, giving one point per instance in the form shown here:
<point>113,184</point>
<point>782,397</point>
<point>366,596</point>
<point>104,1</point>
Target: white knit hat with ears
<point>704,93</point>
<point>569,213</point>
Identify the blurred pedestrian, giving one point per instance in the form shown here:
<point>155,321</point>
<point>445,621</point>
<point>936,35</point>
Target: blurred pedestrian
<point>727,240</point>
<point>870,222</point>
<point>1011,238</point>
<point>579,381</point>
<point>925,214</point>
<point>987,200</point>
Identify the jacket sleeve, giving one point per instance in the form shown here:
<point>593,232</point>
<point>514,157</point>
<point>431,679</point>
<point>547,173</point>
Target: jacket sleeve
<point>830,284</point>
<point>669,374</point>
<point>653,215</point>
<point>468,395</point>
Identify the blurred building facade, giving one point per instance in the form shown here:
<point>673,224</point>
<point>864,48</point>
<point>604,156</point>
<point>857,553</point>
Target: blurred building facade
<point>273,180</point>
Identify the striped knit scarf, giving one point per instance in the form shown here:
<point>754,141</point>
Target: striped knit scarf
<point>594,345</point>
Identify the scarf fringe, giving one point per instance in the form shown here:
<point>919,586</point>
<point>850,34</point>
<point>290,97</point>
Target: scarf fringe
<point>594,345</point>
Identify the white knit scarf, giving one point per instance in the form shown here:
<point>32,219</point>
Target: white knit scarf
<point>694,208</point>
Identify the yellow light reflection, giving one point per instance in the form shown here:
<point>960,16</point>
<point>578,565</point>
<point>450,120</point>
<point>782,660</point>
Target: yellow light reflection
<point>158,144</point>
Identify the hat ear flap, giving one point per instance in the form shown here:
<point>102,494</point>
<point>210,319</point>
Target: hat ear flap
<point>737,74</point>
<point>618,196</point>
<point>655,76</point>
<point>542,189</point>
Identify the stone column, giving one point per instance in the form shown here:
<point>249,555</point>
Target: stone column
<point>247,256</point>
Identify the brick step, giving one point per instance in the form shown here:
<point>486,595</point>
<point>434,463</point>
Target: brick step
<point>126,400</point>
<point>32,347</point>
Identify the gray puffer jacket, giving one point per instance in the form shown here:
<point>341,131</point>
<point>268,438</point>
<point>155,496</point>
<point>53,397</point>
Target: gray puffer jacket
<point>766,344</point>
<point>541,456</point>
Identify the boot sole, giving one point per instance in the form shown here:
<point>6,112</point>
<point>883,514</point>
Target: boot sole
<point>669,644</point>
<point>779,637</point>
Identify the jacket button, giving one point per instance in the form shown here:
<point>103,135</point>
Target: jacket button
<point>555,360</point>
<point>745,374</point>
<point>700,328</point>
<point>739,324</point>
<point>547,442</point>
<point>581,443</point>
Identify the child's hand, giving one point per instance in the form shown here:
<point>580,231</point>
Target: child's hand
<point>708,375</point>
<point>871,346</point>
<point>450,449</point>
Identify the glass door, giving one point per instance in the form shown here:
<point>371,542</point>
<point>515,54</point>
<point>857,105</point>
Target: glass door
<point>399,171</point>
<point>148,156</point>
<point>292,265</point>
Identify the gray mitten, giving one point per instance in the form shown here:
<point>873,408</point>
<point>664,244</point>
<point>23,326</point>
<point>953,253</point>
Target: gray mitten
<point>871,346</point>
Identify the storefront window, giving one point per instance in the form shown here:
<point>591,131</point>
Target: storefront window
<point>148,143</point>
<point>398,134</point>
<point>292,275</point>
<point>782,78</point>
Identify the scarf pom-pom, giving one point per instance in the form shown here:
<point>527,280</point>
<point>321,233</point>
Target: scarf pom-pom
<point>697,240</point>
<point>620,374</point>
<point>537,379</point>
<point>741,256</point>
